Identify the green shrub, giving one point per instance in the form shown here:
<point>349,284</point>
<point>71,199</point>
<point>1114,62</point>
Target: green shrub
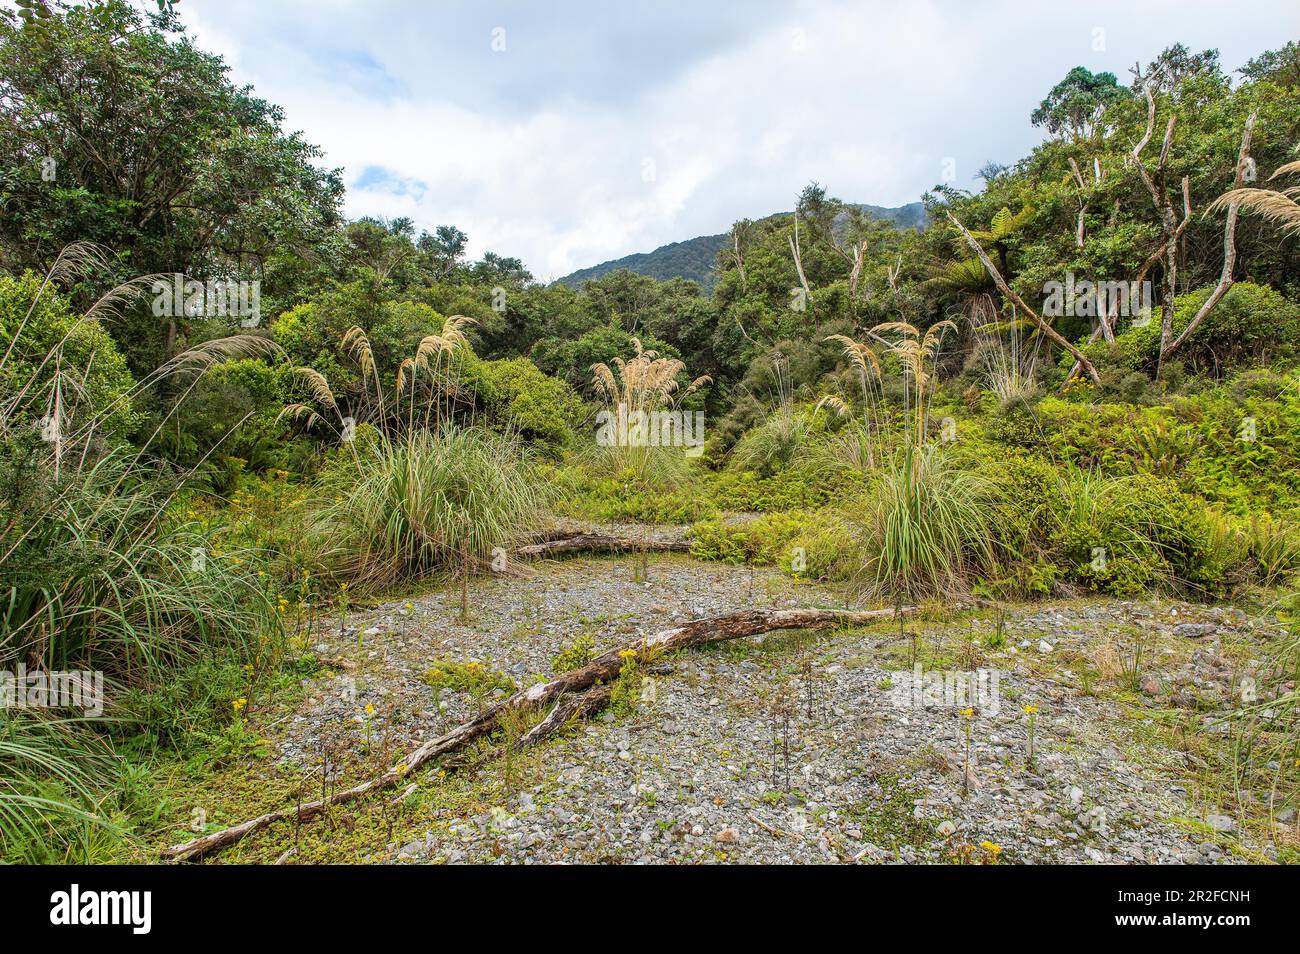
<point>795,488</point>
<point>571,360</point>
<point>583,493</point>
<point>312,335</point>
<point>517,396</point>
<point>232,419</point>
<point>819,545</point>
<point>470,676</point>
<point>1124,535</point>
<point>1232,444</point>
<point>576,654</point>
<point>48,342</point>
<point>1253,324</point>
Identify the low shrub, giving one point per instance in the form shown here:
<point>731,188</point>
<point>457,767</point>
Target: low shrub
<point>1253,324</point>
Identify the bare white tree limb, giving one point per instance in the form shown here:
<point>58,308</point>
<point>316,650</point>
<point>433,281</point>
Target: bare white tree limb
<point>1229,244</point>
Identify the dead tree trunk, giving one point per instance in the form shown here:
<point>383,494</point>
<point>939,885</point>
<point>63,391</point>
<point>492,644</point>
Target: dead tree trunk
<point>1164,208</point>
<point>602,669</point>
<point>1097,332</point>
<point>1051,333</point>
<point>598,543</point>
<point>1229,245</point>
<point>1169,223</point>
<point>798,260</point>
<point>1082,200</point>
<point>570,708</point>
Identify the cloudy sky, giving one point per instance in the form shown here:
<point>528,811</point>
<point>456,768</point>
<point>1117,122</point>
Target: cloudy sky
<point>568,133</point>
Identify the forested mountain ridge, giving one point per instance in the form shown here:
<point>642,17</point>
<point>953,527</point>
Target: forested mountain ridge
<point>694,259</point>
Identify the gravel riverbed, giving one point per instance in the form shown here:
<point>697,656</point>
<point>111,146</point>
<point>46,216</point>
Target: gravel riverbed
<point>805,748</point>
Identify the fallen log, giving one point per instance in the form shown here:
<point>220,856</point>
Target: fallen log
<point>571,707</point>
<point>599,543</point>
<point>602,669</point>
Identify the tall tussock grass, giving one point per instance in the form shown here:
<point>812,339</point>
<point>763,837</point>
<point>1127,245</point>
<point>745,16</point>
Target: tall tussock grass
<point>419,488</point>
<point>425,502</point>
<point>927,527</point>
<point>93,576</point>
<point>927,521</point>
<point>775,443</point>
<point>635,389</point>
<point>52,774</point>
<point>94,573</point>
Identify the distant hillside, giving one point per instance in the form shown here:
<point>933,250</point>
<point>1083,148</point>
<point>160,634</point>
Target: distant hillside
<point>694,258</point>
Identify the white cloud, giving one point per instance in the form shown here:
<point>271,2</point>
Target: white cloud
<point>540,151</point>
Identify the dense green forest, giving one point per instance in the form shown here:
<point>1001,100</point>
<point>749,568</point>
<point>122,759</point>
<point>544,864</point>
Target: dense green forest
<point>229,416</point>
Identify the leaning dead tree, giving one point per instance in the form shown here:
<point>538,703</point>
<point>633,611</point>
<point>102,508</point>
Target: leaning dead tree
<point>1172,226</point>
<point>1173,229</point>
<point>1105,323</point>
<point>574,693</point>
<point>1007,292</point>
<point>797,255</point>
<point>1083,195</point>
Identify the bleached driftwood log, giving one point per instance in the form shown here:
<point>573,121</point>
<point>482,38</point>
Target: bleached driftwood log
<point>598,543</point>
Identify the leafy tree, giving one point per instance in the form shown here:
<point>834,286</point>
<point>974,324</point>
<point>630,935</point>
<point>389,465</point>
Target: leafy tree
<point>572,361</point>
<point>445,248</point>
<point>1077,103</point>
<point>1276,66</point>
<point>498,270</point>
<point>1168,71</point>
<point>517,396</point>
<point>45,345</point>
<point>116,129</point>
